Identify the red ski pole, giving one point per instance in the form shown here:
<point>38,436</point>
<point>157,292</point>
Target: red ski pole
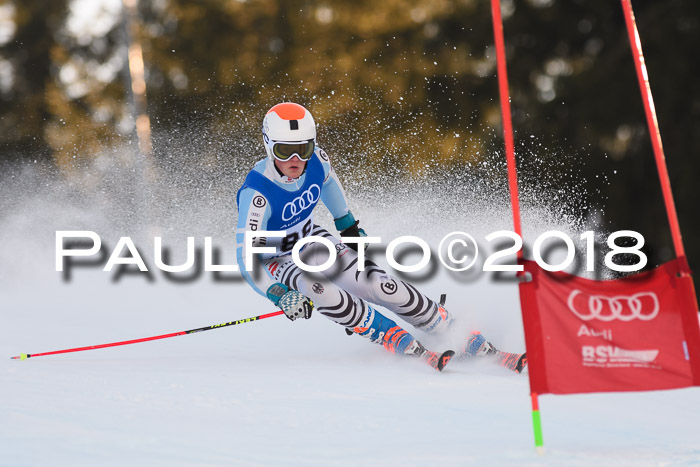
<point>25,356</point>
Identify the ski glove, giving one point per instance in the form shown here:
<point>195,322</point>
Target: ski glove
<point>348,227</point>
<point>293,303</point>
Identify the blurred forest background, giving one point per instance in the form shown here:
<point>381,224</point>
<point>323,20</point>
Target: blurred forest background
<point>407,84</point>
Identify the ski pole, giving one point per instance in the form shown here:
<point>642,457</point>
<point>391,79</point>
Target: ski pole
<point>25,356</point>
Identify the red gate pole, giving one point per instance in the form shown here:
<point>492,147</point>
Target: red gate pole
<point>512,172</point>
<point>653,124</point>
<point>507,120</point>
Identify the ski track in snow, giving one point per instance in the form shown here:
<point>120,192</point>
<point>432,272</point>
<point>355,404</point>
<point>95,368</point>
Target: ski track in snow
<point>275,392</point>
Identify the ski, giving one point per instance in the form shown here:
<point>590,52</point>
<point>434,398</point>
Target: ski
<point>478,347</point>
<point>436,360</point>
<point>513,361</point>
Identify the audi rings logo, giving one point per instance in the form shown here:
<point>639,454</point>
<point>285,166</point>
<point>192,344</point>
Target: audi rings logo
<point>643,306</point>
<point>307,199</point>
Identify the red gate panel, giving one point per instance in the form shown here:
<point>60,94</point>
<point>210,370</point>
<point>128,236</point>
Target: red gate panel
<point>633,334</point>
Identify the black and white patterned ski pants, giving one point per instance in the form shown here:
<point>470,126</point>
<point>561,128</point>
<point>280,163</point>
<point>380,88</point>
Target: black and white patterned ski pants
<point>342,292</point>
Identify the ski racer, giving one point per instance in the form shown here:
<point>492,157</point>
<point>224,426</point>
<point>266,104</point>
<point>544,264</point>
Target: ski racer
<point>280,194</point>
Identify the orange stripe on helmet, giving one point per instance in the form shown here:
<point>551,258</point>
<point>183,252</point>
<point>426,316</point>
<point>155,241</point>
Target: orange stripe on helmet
<point>289,111</point>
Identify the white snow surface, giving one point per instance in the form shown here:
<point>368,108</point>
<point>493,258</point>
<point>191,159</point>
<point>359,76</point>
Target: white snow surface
<point>276,392</point>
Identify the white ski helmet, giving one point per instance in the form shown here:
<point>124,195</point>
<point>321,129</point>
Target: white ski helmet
<point>288,130</point>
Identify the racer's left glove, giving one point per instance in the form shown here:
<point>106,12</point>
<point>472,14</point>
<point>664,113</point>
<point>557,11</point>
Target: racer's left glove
<point>349,227</point>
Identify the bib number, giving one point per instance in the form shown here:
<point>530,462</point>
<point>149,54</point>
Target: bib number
<point>289,241</point>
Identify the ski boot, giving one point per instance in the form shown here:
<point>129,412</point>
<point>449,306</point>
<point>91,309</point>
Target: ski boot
<point>478,346</point>
<point>382,330</point>
<point>442,321</point>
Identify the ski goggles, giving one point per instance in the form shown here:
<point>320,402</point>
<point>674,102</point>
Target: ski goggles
<point>285,151</point>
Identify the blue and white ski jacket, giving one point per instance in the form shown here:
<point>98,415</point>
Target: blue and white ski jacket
<point>273,202</point>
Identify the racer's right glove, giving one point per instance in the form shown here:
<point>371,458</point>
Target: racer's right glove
<point>293,303</point>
